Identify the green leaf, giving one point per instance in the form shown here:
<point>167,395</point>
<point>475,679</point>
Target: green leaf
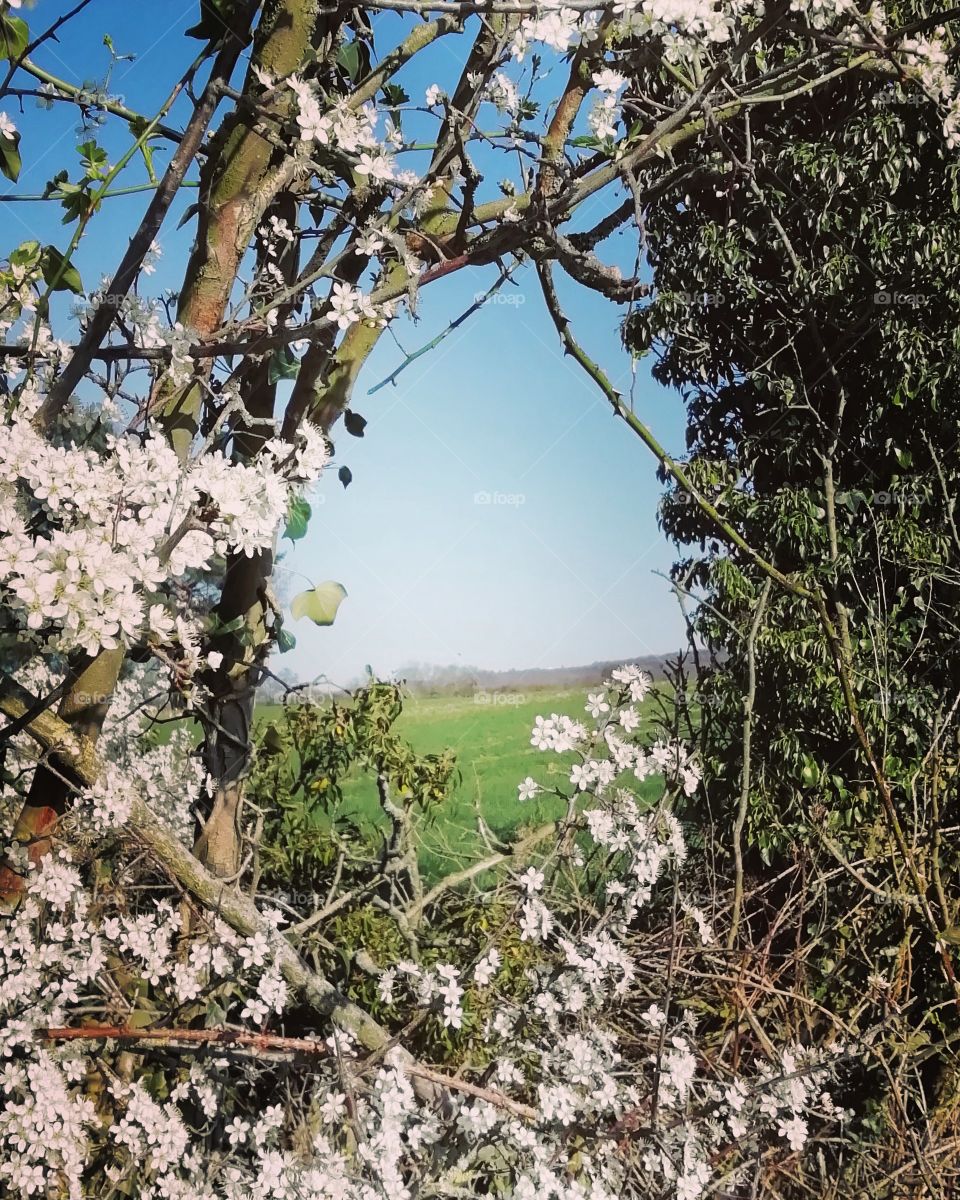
<point>14,37</point>
<point>76,202</point>
<point>216,16</point>
<point>348,57</point>
<point>355,424</point>
<point>810,774</point>
<point>25,255</point>
<point>284,364</point>
<point>191,212</point>
<point>94,160</point>
<point>345,475</point>
<point>215,1016</point>
<point>285,641</point>
<point>216,627</point>
<point>147,151</point>
<point>394,95</point>
<point>298,517</point>
<point>273,742</point>
<point>59,274</point>
<point>10,162</point>
<point>320,604</point>
<point>55,185</point>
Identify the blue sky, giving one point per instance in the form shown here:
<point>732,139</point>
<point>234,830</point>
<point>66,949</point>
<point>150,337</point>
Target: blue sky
<point>499,515</point>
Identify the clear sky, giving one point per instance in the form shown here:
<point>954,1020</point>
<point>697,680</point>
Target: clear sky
<point>499,515</point>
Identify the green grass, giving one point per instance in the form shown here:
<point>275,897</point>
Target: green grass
<point>492,744</point>
<point>490,734</point>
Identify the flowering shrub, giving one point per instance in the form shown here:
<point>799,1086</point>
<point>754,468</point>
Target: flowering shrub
<point>149,460</point>
<point>92,538</point>
<point>557,1094</point>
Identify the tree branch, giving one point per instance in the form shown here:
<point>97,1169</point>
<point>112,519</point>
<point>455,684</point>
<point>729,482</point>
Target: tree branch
<point>142,240</point>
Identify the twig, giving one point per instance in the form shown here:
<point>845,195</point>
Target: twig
<point>142,240</point>
<point>748,701</point>
<point>444,333</point>
<point>277,1047</point>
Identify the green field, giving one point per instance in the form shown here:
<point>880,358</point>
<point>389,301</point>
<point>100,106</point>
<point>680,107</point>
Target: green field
<point>490,734</point>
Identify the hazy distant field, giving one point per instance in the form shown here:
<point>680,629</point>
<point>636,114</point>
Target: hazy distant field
<point>490,734</point>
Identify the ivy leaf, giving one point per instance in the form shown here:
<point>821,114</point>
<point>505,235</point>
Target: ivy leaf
<point>215,1016</point>
<point>75,202</point>
<point>217,628</point>
<point>285,641</point>
<point>345,475</point>
<point>354,423</point>
<point>810,774</point>
<point>284,364</point>
<point>14,37</point>
<point>10,163</point>
<point>59,274</point>
<point>298,517</point>
<point>54,185</point>
<point>320,604</point>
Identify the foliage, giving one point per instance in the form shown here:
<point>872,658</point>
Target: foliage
<point>805,278</point>
<point>303,759</point>
<point>154,447</point>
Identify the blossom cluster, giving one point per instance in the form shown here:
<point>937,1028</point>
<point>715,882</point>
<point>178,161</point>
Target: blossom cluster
<point>93,537</point>
<point>613,746</point>
<point>54,954</point>
<point>556,1065</point>
<point>682,27</point>
<point>351,130</point>
<point>927,61</point>
<point>98,530</point>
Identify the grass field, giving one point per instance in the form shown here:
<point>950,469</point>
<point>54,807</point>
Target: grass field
<point>490,734</point>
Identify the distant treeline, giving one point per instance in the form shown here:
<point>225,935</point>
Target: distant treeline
<point>429,679</point>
